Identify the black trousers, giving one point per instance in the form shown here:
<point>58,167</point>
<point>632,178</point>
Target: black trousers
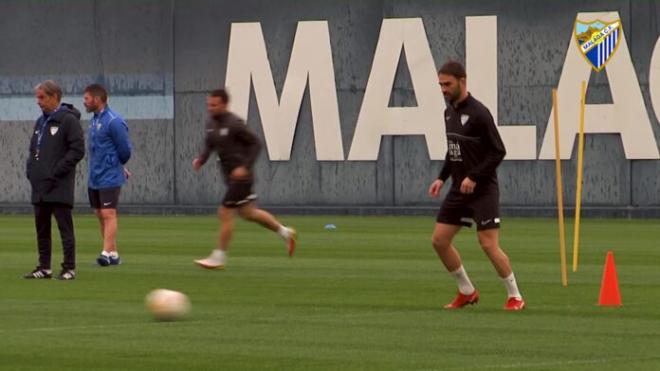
<point>42,219</point>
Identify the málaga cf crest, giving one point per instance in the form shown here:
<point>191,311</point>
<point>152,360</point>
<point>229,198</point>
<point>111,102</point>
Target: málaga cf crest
<point>598,41</point>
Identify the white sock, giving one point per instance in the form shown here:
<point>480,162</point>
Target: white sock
<point>511,286</point>
<point>284,232</point>
<point>106,253</point>
<point>113,254</point>
<point>464,285</point>
<point>219,256</point>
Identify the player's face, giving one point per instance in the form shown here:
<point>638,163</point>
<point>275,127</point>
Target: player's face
<point>91,102</point>
<point>215,106</point>
<point>452,88</point>
<point>47,103</point>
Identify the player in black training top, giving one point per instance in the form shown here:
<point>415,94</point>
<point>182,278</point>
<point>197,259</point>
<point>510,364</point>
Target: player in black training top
<point>237,148</point>
<point>474,150</point>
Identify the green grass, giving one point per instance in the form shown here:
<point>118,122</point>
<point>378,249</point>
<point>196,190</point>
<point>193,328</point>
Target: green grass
<point>364,296</point>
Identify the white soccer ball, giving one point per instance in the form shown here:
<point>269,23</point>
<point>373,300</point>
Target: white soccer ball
<point>167,305</point>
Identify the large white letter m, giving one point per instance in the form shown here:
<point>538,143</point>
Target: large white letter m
<point>311,58</point>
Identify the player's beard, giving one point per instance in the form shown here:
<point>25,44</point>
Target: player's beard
<point>453,96</point>
<point>91,108</point>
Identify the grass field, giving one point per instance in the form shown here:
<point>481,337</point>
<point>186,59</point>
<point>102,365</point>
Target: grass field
<point>364,296</point>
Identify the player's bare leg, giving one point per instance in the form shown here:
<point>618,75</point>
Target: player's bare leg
<point>108,226</point>
<point>443,235</point>
<point>218,258</point>
<point>442,238</point>
<point>489,241</point>
<point>108,219</point>
<point>97,212</point>
<point>264,218</point>
<point>226,217</point>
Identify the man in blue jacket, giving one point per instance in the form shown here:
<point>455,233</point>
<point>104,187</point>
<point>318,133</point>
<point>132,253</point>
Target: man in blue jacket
<point>109,151</point>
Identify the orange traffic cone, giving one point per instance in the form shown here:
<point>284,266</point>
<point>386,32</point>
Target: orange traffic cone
<point>609,287</point>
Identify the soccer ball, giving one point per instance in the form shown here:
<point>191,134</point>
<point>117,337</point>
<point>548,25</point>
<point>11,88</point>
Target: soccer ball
<point>167,305</point>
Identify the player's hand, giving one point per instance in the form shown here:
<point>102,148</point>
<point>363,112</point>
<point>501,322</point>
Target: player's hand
<point>434,189</point>
<point>197,164</point>
<point>239,173</point>
<point>467,186</point>
<point>127,173</point>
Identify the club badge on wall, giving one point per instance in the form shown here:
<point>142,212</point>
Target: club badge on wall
<point>598,41</point>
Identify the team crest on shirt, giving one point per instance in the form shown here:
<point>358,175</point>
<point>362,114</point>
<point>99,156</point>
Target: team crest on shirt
<point>53,130</point>
<point>598,41</point>
<point>224,132</point>
<point>464,119</point>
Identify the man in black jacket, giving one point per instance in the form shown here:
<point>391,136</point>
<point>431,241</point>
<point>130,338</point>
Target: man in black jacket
<point>475,149</point>
<point>237,148</point>
<point>56,147</point>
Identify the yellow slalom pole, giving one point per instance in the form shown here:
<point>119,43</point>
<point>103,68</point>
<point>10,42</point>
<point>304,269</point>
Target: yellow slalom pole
<point>560,192</point>
<point>578,191</point>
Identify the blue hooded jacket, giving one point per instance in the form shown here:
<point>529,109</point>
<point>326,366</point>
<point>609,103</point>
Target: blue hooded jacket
<point>109,149</point>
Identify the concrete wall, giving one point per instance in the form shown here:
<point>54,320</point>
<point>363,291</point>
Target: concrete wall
<point>126,45</point>
<point>176,51</point>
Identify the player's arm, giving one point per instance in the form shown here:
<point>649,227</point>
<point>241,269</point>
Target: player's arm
<point>434,189</point>
<point>119,136</point>
<point>252,145</point>
<point>446,169</point>
<point>494,147</point>
<point>207,148</point>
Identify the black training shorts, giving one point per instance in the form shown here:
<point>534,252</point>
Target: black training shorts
<point>106,198</point>
<point>481,208</point>
<point>238,194</point>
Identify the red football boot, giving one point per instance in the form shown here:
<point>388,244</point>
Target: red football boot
<point>514,304</point>
<point>463,300</point>
<point>292,241</point>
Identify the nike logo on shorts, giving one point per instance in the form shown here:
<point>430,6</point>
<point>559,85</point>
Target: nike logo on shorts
<point>496,221</point>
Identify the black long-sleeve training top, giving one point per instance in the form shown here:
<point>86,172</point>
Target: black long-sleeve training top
<point>235,143</point>
<point>474,146</point>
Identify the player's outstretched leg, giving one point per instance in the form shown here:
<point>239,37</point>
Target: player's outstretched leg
<point>489,241</point>
<point>218,256</point>
<point>264,218</point>
<point>443,236</point>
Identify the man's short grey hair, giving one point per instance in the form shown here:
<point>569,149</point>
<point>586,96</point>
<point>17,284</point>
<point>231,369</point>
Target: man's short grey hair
<point>51,88</point>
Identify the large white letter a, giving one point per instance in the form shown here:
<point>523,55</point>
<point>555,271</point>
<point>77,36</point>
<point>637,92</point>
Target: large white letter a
<point>376,118</point>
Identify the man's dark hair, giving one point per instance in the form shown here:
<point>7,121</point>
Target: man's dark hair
<point>220,93</point>
<point>453,68</point>
<point>97,90</point>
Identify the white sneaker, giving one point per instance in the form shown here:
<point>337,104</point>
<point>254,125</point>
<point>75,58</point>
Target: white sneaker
<point>210,263</point>
<point>214,261</point>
